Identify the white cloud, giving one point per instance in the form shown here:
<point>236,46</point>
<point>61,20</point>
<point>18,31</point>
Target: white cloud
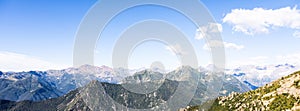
<point>215,44</point>
<point>259,20</point>
<point>208,30</point>
<point>233,46</point>
<point>289,58</point>
<point>176,49</point>
<point>18,62</point>
<point>293,58</point>
<point>296,34</point>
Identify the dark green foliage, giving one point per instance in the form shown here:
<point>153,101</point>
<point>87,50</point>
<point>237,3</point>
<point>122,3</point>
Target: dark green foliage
<point>282,102</point>
<point>297,84</point>
<point>272,88</point>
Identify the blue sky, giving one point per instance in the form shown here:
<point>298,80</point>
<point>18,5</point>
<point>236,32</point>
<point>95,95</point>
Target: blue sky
<point>36,32</point>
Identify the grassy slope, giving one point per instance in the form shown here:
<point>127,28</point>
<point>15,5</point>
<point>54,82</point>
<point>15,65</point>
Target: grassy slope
<point>279,95</point>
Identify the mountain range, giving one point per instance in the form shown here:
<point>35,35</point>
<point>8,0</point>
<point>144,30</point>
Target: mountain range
<point>63,89</point>
<point>71,83</point>
<point>42,85</point>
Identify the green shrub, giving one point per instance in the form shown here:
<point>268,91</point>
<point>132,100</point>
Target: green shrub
<point>297,84</point>
<point>282,102</point>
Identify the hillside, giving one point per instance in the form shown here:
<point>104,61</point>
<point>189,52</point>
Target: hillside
<point>282,94</point>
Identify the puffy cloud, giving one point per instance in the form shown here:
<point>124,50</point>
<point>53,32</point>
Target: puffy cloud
<point>208,30</point>
<point>233,46</point>
<point>18,62</point>
<point>215,44</point>
<point>259,20</point>
<point>296,34</point>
